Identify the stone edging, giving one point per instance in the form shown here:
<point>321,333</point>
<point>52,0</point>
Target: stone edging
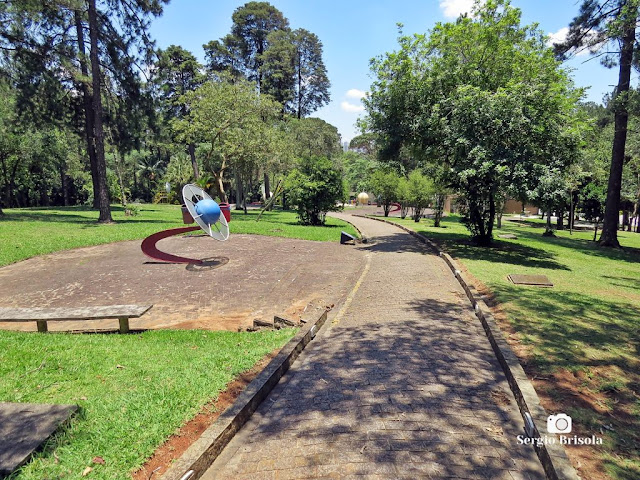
<point>201,454</point>
<point>553,457</point>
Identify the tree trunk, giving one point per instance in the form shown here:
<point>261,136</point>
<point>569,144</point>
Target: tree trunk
<point>560,219</point>
<point>88,112</point>
<point>194,163</point>
<point>239,191</point>
<point>7,188</point>
<point>299,112</point>
<point>572,212</point>
<point>101,164</point>
<point>119,164</point>
<point>492,217</point>
<point>548,231</point>
<point>64,186</point>
<point>609,235</point>
<point>220,187</point>
<point>267,187</point>
<point>440,199</point>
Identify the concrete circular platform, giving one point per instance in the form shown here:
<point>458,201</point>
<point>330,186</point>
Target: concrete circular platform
<point>247,277</point>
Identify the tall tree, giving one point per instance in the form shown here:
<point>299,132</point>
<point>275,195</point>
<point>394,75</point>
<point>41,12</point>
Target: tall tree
<point>43,32</point>
<point>224,55</point>
<point>252,24</point>
<point>178,72</point>
<point>311,80</point>
<point>599,24</point>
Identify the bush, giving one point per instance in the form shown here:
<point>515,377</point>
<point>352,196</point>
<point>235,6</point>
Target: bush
<point>385,185</point>
<point>404,197</point>
<point>421,192</point>
<point>315,188</point>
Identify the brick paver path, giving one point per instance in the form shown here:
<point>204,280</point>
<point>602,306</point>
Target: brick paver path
<point>401,384</point>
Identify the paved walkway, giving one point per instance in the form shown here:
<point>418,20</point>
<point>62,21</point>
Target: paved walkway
<point>401,384</point>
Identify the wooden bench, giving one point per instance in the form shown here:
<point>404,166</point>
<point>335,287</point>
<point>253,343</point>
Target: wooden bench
<point>42,315</point>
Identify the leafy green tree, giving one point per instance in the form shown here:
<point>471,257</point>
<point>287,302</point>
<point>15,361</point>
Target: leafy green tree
<point>178,72</point>
<point>224,56</point>
<point>315,187</point>
<point>384,184</point>
<point>314,137</point>
<point>234,121</point>
<point>294,71</point>
<point>9,144</point>
<point>421,190</point>
<point>599,25</point>
<point>365,144</point>
<point>486,120</point>
<point>549,194</point>
<point>357,170</point>
<point>592,203</point>
<point>252,24</point>
<point>279,68</point>
<point>404,197</point>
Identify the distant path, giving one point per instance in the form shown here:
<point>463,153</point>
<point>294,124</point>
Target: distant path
<point>401,384</point>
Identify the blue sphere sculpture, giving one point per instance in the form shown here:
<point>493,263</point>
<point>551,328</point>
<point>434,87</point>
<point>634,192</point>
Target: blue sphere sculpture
<point>208,210</point>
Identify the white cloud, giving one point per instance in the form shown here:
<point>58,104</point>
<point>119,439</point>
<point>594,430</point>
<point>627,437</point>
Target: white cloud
<point>355,93</point>
<point>453,8</point>
<point>351,108</point>
<point>560,36</point>
<point>557,37</point>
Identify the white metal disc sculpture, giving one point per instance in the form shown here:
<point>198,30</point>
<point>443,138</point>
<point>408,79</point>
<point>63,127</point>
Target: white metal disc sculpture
<point>205,211</point>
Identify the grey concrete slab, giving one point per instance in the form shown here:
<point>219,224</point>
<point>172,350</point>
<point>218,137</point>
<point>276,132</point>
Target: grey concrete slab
<point>26,426</point>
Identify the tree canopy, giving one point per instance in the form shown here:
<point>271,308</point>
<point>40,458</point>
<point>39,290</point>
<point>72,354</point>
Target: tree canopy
<point>482,97</point>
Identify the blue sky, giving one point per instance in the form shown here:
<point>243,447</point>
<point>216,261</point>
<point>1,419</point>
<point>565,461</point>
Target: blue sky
<point>354,31</point>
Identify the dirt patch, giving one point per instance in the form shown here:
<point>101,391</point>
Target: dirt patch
<point>179,442</point>
<point>254,277</point>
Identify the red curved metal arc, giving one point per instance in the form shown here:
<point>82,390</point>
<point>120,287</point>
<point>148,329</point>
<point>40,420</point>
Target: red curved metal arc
<point>150,250</point>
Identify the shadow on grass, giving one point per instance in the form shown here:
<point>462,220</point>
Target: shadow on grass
<point>52,215</point>
<point>621,472</point>
<point>570,321</point>
<point>626,282</point>
<point>588,247</point>
<point>459,245</point>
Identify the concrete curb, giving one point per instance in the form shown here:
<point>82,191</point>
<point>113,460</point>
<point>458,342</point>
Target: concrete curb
<point>553,457</point>
<point>363,239</point>
<point>201,454</point>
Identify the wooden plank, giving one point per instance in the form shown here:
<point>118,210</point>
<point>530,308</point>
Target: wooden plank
<point>26,426</point>
<point>71,314</point>
<point>124,324</point>
<point>536,280</point>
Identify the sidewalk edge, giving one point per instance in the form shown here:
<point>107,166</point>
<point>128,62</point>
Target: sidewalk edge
<point>201,454</point>
<point>553,457</point>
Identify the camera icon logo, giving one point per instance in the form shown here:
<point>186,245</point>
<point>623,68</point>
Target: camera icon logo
<point>560,423</point>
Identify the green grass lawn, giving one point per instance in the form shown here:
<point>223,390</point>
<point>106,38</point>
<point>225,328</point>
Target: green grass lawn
<point>134,390</point>
<point>28,232</point>
<point>586,328</point>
